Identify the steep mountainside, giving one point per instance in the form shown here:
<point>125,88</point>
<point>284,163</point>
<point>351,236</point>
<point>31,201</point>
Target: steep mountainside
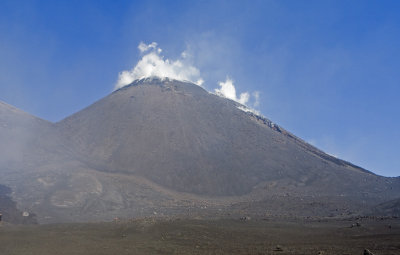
<point>181,137</point>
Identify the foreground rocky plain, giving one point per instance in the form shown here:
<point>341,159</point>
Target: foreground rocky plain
<point>190,236</point>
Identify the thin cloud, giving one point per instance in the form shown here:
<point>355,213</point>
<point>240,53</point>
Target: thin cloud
<point>256,95</point>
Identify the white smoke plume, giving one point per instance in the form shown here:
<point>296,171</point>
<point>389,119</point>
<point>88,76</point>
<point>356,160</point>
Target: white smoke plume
<point>228,90</point>
<point>154,64</point>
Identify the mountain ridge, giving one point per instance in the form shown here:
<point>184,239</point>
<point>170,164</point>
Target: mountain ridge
<point>258,117</point>
<point>170,147</point>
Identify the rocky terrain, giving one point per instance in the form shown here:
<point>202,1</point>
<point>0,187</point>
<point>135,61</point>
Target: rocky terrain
<point>224,236</point>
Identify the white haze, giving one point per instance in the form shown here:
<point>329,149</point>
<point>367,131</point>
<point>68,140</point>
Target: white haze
<point>153,64</point>
<point>256,96</point>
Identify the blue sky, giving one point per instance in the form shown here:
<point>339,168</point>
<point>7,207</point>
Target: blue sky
<point>328,71</point>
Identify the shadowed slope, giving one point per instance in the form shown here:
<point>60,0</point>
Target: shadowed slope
<point>391,208</point>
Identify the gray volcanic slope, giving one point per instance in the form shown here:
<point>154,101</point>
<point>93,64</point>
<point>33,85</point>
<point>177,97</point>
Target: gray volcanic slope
<point>169,147</point>
<point>183,138</point>
<point>27,141</point>
<point>20,136</point>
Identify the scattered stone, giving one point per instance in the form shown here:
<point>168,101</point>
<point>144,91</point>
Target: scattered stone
<point>25,214</point>
<point>320,253</point>
<point>357,224</point>
<point>245,218</point>
<point>278,248</point>
<point>368,252</point>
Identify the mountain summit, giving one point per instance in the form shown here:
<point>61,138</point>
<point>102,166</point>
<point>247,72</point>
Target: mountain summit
<point>170,147</point>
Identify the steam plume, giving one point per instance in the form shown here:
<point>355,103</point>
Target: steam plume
<point>154,64</point>
<point>228,90</point>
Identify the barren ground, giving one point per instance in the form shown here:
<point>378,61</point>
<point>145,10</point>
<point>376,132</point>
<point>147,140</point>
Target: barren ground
<point>188,236</point>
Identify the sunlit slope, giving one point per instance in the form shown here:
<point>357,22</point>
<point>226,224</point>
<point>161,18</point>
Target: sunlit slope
<point>183,138</point>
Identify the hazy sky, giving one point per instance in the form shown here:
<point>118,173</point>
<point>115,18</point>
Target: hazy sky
<point>328,71</point>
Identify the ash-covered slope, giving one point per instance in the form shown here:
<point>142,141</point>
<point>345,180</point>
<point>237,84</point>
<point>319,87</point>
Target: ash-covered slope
<point>185,139</point>
<point>26,144</point>
<point>26,141</point>
<point>388,208</point>
<point>20,136</point>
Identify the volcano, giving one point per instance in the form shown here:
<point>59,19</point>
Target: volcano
<point>168,147</point>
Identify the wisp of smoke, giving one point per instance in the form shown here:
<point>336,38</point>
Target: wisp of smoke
<point>256,95</point>
<point>228,90</point>
<point>154,64</point>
